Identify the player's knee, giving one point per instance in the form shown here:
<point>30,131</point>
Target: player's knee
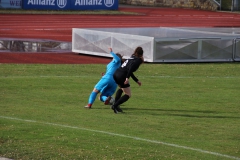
<point>95,90</point>
<point>129,94</point>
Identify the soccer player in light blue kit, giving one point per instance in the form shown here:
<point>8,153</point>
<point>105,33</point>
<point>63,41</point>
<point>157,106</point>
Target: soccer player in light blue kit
<point>106,85</point>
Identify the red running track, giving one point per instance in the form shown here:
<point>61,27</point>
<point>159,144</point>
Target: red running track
<point>59,27</point>
<point>51,58</point>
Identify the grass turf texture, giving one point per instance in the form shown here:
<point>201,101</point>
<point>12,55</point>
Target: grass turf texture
<point>188,105</point>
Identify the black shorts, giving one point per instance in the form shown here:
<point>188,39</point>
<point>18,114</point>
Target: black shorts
<point>120,78</point>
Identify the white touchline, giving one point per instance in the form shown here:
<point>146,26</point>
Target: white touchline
<point>125,136</point>
<point>94,76</point>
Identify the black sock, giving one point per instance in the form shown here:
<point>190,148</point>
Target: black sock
<point>118,94</point>
<point>123,99</point>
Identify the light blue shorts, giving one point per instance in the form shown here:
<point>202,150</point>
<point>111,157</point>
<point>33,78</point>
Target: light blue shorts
<point>106,86</point>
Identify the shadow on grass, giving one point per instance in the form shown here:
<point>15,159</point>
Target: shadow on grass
<point>181,113</point>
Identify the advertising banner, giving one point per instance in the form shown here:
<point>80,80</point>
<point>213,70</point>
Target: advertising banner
<point>94,4</point>
<point>46,4</point>
<point>71,4</point>
<point>10,3</point>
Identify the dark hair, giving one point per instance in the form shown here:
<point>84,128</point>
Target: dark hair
<point>138,52</point>
<point>121,57</point>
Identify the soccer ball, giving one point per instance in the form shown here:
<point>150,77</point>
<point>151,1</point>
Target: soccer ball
<point>112,100</point>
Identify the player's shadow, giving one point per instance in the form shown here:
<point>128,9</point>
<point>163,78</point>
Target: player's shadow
<point>180,113</point>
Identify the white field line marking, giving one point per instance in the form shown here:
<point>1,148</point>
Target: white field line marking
<point>125,136</point>
<point>94,76</point>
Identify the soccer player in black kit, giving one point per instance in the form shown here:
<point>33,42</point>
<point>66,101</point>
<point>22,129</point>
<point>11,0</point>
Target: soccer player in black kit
<point>122,75</point>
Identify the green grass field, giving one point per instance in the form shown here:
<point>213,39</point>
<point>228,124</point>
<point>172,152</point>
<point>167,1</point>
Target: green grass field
<point>181,112</point>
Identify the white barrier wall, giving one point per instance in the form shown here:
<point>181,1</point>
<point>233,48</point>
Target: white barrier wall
<point>161,44</point>
<point>97,43</point>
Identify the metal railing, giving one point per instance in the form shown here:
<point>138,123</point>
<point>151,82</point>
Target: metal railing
<point>218,2</point>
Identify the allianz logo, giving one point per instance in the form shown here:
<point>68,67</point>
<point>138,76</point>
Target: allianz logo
<point>60,3</point>
<point>63,3</point>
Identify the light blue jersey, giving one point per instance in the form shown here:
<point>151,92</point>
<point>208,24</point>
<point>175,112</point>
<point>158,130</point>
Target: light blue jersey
<point>107,86</point>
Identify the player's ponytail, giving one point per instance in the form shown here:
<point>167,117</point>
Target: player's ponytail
<point>121,57</point>
<point>138,52</point>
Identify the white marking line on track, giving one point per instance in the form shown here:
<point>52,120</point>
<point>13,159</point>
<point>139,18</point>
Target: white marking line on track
<point>38,29</point>
<point>195,31</point>
<point>199,15</point>
<point>125,136</point>
<point>220,17</point>
<point>170,15</point>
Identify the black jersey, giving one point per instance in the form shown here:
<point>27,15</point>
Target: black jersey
<point>130,66</point>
